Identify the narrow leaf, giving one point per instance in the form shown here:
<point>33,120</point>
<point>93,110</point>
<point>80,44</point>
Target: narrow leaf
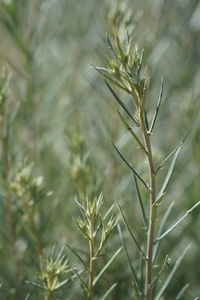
<point>138,285</point>
<point>178,222</point>
<point>157,108</point>
<point>182,291</point>
<point>129,230</point>
<point>140,202</point>
<point>171,154</point>
<point>169,173</point>
<point>131,131</point>
<point>35,284</point>
<point>110,44</point>
<point>171,274</point>
<point>161,227</point>
<point>77,255</point>
<point>109,291</point>
<point>161,270</point>
<point>106,266</point>
<point>121,102</point>
<point>146,120</point>
<point>132,169</point>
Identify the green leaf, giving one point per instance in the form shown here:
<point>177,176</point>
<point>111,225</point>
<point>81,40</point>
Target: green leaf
<point>131,131</point>
<point>106,266</point>
<point>76,254</point>
<point>182,291</point>
<point>110,44</point>
<point>132,169</point>
<point>109,291</point>
<point>171,274</point>
<point>178,222</point>
<point>138,285</point>
<point>129,230</point>
<point>171,154</point>
<point>157,108</point>
<point>165,263</point>
<point>169,173</point>
<point>121,103</point>
<point>161,227</point>
<point>140,202</point>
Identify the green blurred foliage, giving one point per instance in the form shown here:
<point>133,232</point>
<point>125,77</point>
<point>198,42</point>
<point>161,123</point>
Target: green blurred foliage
<point>61,118</point>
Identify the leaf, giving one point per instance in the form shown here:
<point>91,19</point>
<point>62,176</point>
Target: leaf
<point>140,202</point>
<point>138,285</point>
<point>157,107</point>
<point>110,44</point>
<point>146,120</point>
<point>182,291</point>
<point>77,255</point>
<point>132,169</point>
<point>82,283</point>
<point>106,266</point>
<point>171,154</point>
<point>165,263</point>
<point>178,222</point>
<point>131,131</point>
<point>171,274</point>
<point>35,284</point>
<point>121,103</point>
<point>129,230</point>
<point>161,227</point>
<point>109,291</point>
<point>169,173</point>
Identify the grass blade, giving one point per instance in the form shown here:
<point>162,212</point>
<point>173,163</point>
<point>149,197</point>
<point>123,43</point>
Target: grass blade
<point>120,102</point>
<point>129,230</point>
<point>140,202</point>
<point>106,266</point>
<point>138,285</point>
<point>171,274</point>
<point>132,169</point>
<point>182,291</point>
<point>178,222</point>
<point>157,107</point>
<point>109,291</point>
<point>161,227</point>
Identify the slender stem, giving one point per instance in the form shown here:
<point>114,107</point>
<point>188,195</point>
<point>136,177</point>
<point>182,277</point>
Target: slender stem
<point>49,295</point>
<point>91,263</point>
<point>150,236</point>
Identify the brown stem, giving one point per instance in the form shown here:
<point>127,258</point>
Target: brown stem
<point>150,236</point>
<point>49,295</point>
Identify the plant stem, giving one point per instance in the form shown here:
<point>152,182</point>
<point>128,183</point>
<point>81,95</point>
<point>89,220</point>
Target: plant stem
<point>49,295</point>
<point>150,235</point>
<point>91,265</point>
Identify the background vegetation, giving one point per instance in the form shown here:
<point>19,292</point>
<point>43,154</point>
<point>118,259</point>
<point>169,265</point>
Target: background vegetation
<point>57,123</point>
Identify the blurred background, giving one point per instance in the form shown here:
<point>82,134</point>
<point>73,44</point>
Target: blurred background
<point>61,118</point>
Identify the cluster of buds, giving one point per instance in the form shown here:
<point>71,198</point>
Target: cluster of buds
<point>29,189</point>
<point>125,70</point>
<point>92,223</point>
<point>53,269</point>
